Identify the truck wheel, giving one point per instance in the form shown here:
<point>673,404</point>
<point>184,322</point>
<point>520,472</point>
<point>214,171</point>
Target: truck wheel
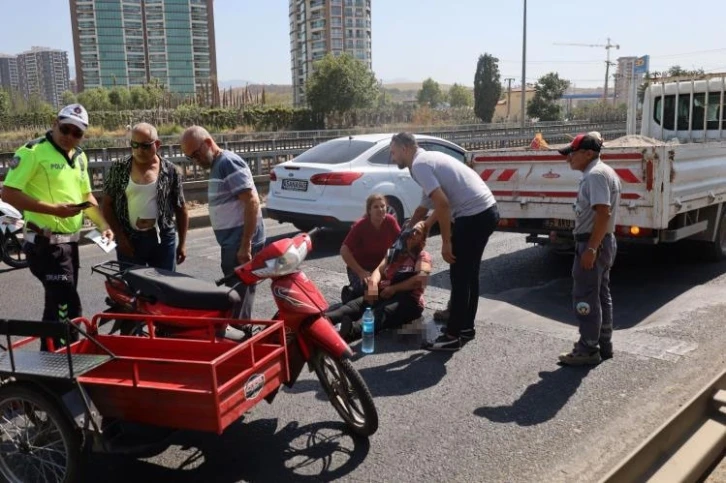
<point>718,246</point>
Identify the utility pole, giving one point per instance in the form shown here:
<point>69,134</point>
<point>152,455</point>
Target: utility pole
<point>509,95</point>
<point>607,47</point>
<point>523,114</point>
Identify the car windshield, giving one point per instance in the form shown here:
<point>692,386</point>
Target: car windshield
<point>334,152</point>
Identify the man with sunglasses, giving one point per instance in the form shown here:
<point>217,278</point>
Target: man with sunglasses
<point>596,207</point>
<point>234,206</point>
<point>144,204</point>
<point>48,180</point>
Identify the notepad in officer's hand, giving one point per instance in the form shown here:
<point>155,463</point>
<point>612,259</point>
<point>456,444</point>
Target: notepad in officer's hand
<point>100,240</point>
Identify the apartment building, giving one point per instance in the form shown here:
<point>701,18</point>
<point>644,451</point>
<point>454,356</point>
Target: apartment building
<point>319,27</point>
<point>9,72</point>
<point>43,72</point>
<point>130,42</point>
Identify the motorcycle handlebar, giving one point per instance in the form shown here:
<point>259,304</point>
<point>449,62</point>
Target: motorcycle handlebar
<point>314,231</point>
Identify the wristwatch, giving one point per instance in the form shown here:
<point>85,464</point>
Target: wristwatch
<point>594,250</point>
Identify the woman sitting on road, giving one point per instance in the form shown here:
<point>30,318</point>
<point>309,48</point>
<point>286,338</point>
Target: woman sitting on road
<point>401,280</point>
<point>366,245</point>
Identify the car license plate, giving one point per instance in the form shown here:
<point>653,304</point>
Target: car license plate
<point>559,224</point>
<point>295,184</point>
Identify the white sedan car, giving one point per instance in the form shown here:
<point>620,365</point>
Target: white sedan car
<point>328,184</point>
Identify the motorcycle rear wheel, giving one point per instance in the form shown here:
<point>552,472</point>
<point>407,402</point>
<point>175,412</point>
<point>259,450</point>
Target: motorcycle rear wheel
<point>12,251</point>
<point>347,391</point>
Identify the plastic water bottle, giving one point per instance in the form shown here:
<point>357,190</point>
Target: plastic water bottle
<point>368,331</point>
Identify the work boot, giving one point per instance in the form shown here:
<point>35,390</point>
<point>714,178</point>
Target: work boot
<point>577,357</point>
<point>466,335</point>
<point>442,316</point>
<point>606,351</point>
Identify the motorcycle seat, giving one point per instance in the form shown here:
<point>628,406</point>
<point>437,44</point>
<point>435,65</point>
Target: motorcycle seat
<point>180,290</point>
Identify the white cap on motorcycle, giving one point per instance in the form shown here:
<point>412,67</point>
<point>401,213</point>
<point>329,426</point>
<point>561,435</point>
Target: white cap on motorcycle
<point>74,114</point>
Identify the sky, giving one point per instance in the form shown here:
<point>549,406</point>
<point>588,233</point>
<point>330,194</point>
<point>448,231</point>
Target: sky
<point>417,39</point>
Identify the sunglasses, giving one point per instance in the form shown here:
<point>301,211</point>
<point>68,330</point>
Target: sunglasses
<point>137,145</point>
<point>67,130</point>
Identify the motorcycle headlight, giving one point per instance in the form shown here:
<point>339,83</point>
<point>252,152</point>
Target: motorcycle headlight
<point>285,264</point>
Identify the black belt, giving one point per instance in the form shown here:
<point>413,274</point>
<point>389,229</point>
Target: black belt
<point>583,237</point>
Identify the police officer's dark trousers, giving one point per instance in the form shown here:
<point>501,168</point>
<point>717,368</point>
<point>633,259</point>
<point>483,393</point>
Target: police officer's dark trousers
<point>591,297</point>
<point>56,266</point>
<point>468,240</point>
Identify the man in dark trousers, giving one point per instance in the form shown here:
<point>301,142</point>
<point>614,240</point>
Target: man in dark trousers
<point>595,210</point>
<point>234,207</point>
<point>48,180</point>
<point>456,193</point>
<point>144,204</point>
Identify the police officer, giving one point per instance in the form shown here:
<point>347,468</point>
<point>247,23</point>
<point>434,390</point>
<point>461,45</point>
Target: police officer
<point>48,180</point>
<point>595,209</point>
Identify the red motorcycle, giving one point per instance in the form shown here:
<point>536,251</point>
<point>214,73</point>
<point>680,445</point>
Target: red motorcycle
<point>310,335</point>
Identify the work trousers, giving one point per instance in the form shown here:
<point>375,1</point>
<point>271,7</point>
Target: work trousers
<point>469,238</point>
<point>591,297</point>
<point>56,266</point>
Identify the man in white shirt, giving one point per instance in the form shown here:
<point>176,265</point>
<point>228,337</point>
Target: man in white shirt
<point>456,194</point>
<point>144,204</point>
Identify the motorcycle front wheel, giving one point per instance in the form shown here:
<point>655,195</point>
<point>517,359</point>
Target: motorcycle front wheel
<point>12,251</point>
<point>347,391</point>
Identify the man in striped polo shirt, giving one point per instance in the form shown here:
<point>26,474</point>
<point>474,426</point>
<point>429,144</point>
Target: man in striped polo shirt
<point>234,206</point>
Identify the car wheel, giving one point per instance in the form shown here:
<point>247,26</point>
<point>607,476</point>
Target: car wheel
<point>395,209</point>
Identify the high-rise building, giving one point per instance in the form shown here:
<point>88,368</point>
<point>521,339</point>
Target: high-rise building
<point>130,42</point>
<point>624,79</point>
<point>43,72</point>
<point>319,27</point>
<point>9,72</point>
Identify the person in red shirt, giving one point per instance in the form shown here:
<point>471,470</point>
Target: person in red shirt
<point>394,291</point>
<point>366,245</point>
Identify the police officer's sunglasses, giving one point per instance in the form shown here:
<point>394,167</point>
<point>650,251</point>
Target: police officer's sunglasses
<point>137,145</point>
<point>70,131</point>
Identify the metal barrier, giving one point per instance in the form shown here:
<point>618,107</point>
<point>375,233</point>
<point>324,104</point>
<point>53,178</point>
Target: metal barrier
<point>262,154</point>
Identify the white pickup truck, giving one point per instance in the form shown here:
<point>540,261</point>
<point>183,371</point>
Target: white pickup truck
<point>673,175</point>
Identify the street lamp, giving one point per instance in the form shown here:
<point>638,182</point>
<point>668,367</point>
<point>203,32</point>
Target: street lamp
<point>524,62</point>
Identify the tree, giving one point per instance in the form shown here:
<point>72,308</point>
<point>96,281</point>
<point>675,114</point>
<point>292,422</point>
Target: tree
<point>120,97</point>
<point>340,84</point>
<point>139,97</point>
<point>68,97</point>
<point>548,90</point>
<point>673,71</point>
<point>36,104</point>
<point>460,96</point>
<point>430,93</point>
<point>95,99</point>
<point>487,87</point>
<point>4,102</point>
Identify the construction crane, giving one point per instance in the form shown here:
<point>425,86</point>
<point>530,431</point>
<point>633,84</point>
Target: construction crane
<point>607,47</point>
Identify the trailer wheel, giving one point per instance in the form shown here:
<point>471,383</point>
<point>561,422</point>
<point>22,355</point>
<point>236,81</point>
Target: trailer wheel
<point>718,246</point>
<point>38,441</point>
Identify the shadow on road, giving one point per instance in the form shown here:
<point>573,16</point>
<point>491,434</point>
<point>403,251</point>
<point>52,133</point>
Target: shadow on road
<point>643,280</point>
<point>419,371</point>
<point>257,451</point>
<point>541,401</point>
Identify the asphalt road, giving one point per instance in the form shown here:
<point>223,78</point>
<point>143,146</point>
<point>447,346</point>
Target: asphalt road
<point>499,410</point>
